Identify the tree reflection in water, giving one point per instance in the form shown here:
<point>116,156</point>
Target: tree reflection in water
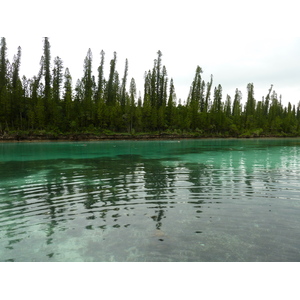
<point>130,206</point>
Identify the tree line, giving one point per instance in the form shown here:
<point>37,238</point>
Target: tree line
<point>48,102</point>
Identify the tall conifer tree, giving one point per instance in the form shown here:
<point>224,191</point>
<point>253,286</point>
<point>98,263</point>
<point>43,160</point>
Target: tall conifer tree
<point>110,85</point>
<point>88,85</point>
<point>57,79</point>
<point>3,63</point>
<point>100,78</point>
<point>17,92</point>
<point>67,99</point>
<point>47,69</point>
<point>123,88</point>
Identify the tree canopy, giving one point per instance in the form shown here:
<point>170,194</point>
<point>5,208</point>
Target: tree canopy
<point>48,102</point>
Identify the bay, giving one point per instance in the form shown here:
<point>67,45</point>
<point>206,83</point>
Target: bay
<point>176,200</point>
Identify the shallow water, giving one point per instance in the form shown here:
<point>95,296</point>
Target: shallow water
<point>188,200</point>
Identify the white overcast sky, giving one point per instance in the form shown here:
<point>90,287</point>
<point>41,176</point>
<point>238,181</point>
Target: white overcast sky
<point>238,42</point>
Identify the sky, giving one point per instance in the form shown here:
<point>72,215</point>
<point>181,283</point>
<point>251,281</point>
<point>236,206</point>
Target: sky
<point>238,42</point>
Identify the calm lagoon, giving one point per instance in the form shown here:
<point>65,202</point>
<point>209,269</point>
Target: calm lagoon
<point>188,200</point>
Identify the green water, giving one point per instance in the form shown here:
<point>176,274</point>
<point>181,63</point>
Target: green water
<point>188,200</point>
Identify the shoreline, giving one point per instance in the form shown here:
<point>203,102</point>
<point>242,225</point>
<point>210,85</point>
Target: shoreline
<point>6,138</point>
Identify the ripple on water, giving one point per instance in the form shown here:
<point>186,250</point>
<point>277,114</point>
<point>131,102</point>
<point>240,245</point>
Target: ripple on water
<point>211,204</point>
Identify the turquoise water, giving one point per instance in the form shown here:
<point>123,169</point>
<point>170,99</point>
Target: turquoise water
<point>187,200</point>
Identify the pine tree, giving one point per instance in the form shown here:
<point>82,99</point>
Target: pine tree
<point>236,110</point>
<point>79,113</point>
<point>259,114</point>
<point>5,109</point>
<point>47,76</point>
<point>110,85</point>
<point>147,86</point>
<point>55,108</point>
<point>147,103</point>
<point>267,101</point>
<point>217,103</point>
<point>101,80</point>
<point>162,96</point>
<point>158,79</point>
<point>250,104</point>
<point>275,114</point>
<point>171,106</point>
<point>194,99</point>
<point>57,79</point>
<point>17,97</point>
<point>116,89</point>
<point>195,90</point>
<point>88,84</point>
<point>138,124</point>
<point>289,120</point>
<point>3,63</point>
<point>250,107</point>
<point>131,104</point>
<point>150,99</point>
<point>123,88</point>
<point>67,100</point>
<point>16,68</point>
<point>153,86</point>
<point>38,93</point>
<point>208,92</point>
<point>227,107</point>
<point>100,101</point>
<point>4,95</point>
<point>216,111</point>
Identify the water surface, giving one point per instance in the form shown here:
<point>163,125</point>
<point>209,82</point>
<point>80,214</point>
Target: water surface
<point>187,200</point>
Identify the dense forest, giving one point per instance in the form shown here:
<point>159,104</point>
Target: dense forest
<point>48,103</point>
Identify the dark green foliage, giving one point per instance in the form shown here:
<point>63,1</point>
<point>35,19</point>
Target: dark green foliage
<point>68,110</point>
<point>124,81</point>
<point>111,85</point>
<point>101,81</point>
<point>48,102</point>
<point>47,76</point>
<point>3,64</point>
<point>57,79</point>
<point>87,114</point>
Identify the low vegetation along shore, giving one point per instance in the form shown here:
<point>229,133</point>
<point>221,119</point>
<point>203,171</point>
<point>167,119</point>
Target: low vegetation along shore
<point>48,107</point>
<point>89,136</point>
